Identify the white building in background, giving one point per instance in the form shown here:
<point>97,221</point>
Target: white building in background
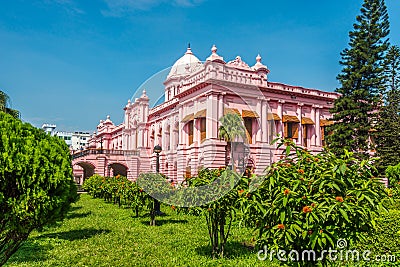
<point>49,128</point>
<point>66,136</point>
<point>74,140</point>
<point>79,140</point>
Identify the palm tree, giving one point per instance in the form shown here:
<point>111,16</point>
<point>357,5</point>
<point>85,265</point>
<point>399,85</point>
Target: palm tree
<point>4,105</point>
<point>231,130</point>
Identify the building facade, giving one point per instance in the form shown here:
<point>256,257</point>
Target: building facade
<point>75,140</point>
<point>186,125</point>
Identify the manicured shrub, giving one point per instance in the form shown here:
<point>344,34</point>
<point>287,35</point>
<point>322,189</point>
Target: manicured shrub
<point>36,182</point>
<point>311,201</point>
<point>119,190</point>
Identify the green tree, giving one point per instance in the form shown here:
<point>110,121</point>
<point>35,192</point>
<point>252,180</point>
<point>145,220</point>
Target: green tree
<point>227,187</point>
<point>36,182</point>
<point>231,130</point>
<point>362,80</point>
<point>387,135</point>
<point>5,105</point>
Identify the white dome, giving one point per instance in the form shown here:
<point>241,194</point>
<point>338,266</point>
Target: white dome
<point>187,64</point>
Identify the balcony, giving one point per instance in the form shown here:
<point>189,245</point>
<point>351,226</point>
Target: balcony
<point>107,152</point>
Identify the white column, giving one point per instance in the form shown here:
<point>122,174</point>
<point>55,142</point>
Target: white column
<point>196,128</point>
<point>212,120</point>
<point>144,138</point>
<point>220,111</point>
<point>134,136</point>
<point>221,105</point>
<point>163,136</point>
<point>280,114</point>
<point>171,137</point>
<point>126,119</point>
<point>141,139</point>
<point>313,128</point>
<point>181,140</point>
<point>260,120</point>
<point>124,141</point>
<point>157,135</point>
<point>264,122</point>
<point>145,111</point>
<point>317,127</point>
<point>300,115</point>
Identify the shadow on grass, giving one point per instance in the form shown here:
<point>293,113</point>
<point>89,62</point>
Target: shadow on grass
<point>145,215</point>
<point>30,251</point>
<point>76,234</point>
<point>75,208</point>
<point>78,215</point>
<point>160,222</point>
<point>233,249</point>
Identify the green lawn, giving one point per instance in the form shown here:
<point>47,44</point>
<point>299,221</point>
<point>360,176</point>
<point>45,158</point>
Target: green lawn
<point>96,233</point>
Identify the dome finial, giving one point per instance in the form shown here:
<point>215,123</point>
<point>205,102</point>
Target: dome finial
<point>189,50</point>
<point>214,56</point>
<point>214,49</point>
<point>259,65</point>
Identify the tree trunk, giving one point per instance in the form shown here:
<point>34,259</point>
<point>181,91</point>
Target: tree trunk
<point>153,214</point>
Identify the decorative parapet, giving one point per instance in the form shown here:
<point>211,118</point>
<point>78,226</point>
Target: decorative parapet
<point>163,105</point>
<point>301,90</point>
<point>106,152</point>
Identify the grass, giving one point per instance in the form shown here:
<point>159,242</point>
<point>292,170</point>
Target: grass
<point>96,233</point>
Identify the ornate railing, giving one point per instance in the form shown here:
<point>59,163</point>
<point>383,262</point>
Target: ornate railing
<point>107,152</point>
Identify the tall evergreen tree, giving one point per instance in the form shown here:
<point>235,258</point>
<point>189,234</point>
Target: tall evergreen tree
<point>362,79</point>
<point>388,125</point>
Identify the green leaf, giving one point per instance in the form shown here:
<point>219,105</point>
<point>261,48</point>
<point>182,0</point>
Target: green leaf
<point>285,201</point>
<point>287,151</point>
<point>282,217</point>
<point>343,212</point>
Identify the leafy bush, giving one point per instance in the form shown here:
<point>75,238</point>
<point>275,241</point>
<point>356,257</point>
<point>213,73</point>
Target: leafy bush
<point>311,201</point>
<point>118,190</point>
<point>93,185</point>
<point>36,182</point>
<point>385,240</point>
<point>226,187</point>
<point>393,175</point>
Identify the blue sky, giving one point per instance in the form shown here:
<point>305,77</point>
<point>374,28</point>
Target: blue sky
<point>73,62</point>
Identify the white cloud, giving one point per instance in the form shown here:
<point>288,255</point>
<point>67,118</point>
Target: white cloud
<point>187,3</point>
<point>118,8</point>
<point>68,5</point>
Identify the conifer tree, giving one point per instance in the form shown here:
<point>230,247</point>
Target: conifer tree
<point>361,79</point>
<point>387,135</point>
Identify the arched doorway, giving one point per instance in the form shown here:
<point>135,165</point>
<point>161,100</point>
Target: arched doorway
<point>115,169</point>
<point>88,170</point>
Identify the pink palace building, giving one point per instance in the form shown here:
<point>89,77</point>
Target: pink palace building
<point>186,124</point>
